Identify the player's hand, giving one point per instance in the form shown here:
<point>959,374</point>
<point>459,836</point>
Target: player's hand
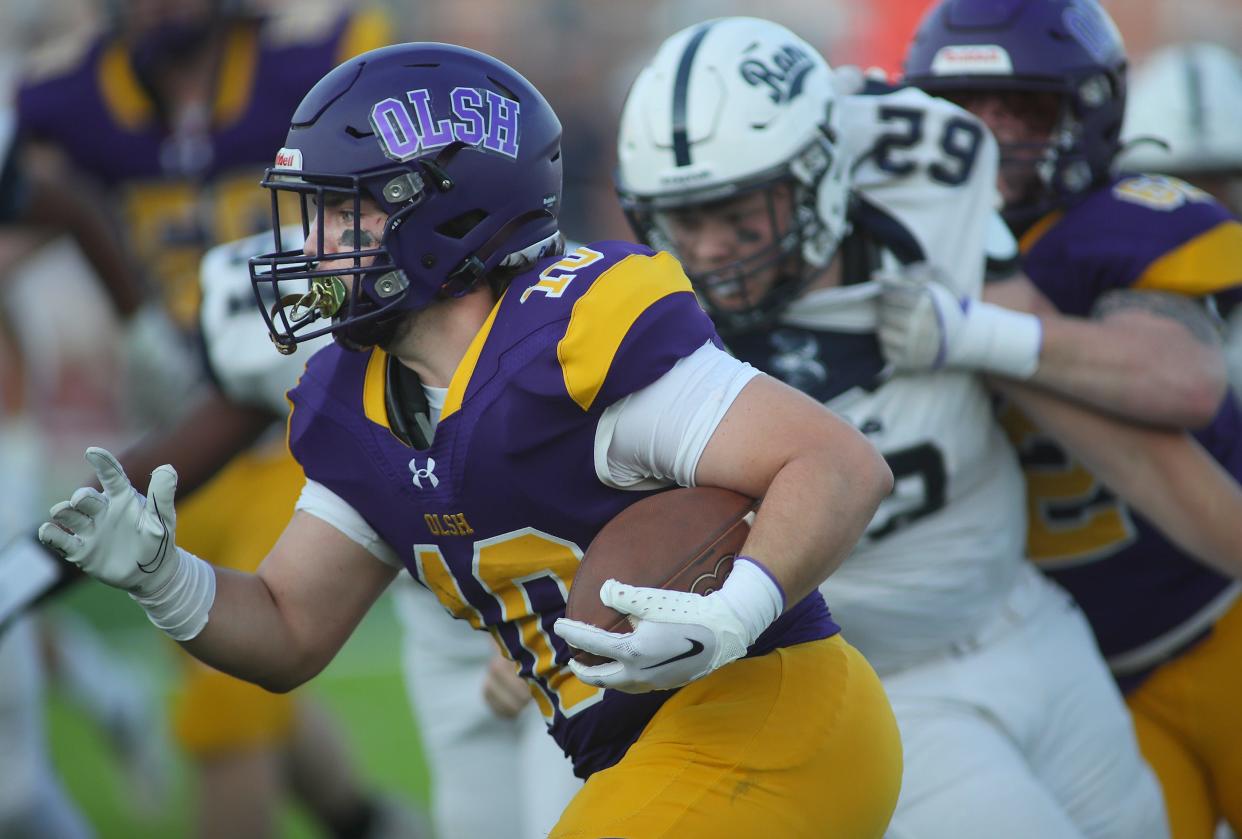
<point>924,326</point>
<point>678,637</point>
<point>118,536</point>
<point>918,318</point>
<point>504,690</point>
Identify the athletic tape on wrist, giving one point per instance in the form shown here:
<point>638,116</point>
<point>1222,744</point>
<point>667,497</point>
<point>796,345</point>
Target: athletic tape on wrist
<point>181,606</point>
<point>754,595</point>
<point>1002,340</point>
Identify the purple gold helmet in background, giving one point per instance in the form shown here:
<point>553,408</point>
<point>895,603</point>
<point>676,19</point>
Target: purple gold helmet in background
<point>1066,47</point>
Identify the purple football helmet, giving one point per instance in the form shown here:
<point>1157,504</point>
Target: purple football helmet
<point>1065,47</point>
<point>459,150</point>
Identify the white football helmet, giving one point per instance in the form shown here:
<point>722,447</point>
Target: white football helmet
<point>727,107</point>
<point>1190,97</point>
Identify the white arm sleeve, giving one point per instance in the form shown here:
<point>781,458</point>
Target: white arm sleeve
<point>655,437</point>
<point>323,503</point>
<point>652,438</point>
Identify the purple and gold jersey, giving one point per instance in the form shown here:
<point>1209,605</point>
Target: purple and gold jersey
<point>182,192</point>
<point>494,516</point>
<point>1145,599</point>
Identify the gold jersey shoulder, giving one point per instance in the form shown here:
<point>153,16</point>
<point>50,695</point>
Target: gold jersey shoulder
<point>605,313</point>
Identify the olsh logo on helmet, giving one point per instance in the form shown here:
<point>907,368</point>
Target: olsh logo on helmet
<point>784,73</point>
<point>480,118</point>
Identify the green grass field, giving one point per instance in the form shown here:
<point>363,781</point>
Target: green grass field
<point>362,687</point>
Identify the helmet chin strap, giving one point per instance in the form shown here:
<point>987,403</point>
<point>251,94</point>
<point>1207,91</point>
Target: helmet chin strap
<point>362,336</point>
<point>472,269</point>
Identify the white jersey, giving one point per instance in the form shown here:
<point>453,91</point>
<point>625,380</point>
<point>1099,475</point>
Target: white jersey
<point>243,360</point>
<point>946,547</point>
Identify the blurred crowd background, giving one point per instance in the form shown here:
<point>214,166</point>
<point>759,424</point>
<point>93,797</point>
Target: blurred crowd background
<point>61,371</point>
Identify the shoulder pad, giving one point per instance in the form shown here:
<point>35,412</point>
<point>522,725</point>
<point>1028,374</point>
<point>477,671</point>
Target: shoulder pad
<point>301,24</point>
<point>1161,193</point>
<point>59,57</point>
<point>636,319</point>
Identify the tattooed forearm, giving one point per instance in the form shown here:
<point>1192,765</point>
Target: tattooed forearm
<point>1187,311</point>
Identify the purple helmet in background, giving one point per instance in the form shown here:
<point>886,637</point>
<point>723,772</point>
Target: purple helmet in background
<point>1067,47</point>
<point>459,149</point>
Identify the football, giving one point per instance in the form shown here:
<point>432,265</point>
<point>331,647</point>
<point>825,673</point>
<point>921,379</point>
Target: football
<point>682,540</point>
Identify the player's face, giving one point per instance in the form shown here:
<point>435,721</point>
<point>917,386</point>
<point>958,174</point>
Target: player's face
<point>715,240</point>
<point>339,233</point>
<point>1023,124</point>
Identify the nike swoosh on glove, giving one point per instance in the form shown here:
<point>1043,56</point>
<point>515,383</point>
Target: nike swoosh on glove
<point>678,636</point>
<point>119,536</point>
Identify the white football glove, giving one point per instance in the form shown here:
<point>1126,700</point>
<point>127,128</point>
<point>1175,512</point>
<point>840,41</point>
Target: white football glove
<point>126,540</point>
<point>678,636</point>
<point>924,326</point>
<point>116,536</point>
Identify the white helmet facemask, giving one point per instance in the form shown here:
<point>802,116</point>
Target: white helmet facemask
<point>1184,113</point>
<point>726,109</point>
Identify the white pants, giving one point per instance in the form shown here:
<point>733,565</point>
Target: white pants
<point>1022,735</point>
<point>490,776</point>
<point>32,801</point>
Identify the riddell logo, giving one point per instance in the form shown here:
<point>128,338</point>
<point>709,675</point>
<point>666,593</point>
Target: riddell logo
<point>984,59</point>
<point>289,159</point>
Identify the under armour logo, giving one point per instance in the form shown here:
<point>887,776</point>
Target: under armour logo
<point>427,473</point>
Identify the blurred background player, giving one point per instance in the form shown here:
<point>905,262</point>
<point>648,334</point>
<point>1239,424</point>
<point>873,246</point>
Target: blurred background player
<point>171,114</point>
<point>1138,254</point>
<point>1184,118</point>
<point>784,199</point>
<point>32,801</point>
<point>63,649</point>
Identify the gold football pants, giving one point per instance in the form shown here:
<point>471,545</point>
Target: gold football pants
<point>798,744</point>
<point>1187,716</point>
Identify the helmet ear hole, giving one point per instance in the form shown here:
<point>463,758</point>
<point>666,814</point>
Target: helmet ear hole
<point>460,226</point>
